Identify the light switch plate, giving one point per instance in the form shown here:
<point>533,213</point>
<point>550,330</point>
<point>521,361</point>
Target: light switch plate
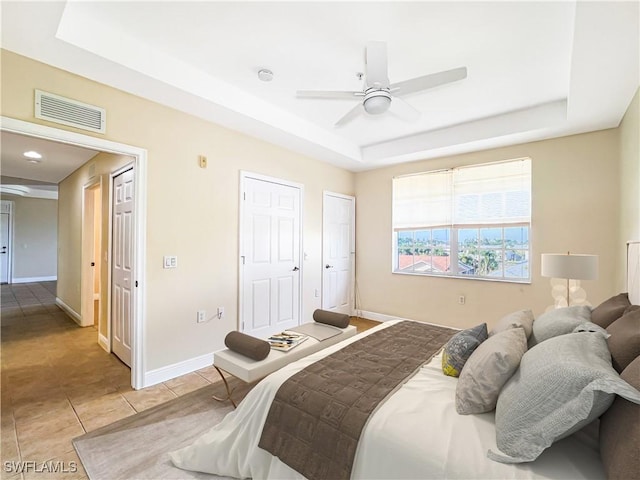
<point>170,261</point>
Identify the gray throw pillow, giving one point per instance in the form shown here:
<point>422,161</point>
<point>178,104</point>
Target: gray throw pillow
<point>558,322</point>
<point>460,347</point>
<point>562,385</point>
<point>520,319</point>
<point>488,369</point>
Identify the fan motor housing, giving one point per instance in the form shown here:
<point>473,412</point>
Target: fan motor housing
<point>376,100</point>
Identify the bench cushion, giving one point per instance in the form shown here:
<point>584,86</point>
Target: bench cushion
<point>249,370</point>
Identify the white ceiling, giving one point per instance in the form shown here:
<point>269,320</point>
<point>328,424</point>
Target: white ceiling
<point>58,159</point>
<point>535,69</point>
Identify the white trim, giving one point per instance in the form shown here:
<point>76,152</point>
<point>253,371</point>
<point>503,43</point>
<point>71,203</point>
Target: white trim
<point>104,343</point>
<point>382,317</point>
<point>243,176</point>
<point>69,311</point>
<point>85,270</point>
<point>29,191</point>
<point>140,171</point>
<point>378,317</point>
<point>162,374</point>
<point>34,279</point>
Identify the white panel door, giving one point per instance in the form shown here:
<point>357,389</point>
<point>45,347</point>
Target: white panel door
<point>270,257</point>
<point>122,266</point>
<point>4,247</point>
<point>338,252</point>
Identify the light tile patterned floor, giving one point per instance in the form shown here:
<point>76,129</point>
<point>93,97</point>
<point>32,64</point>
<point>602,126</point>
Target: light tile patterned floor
<point>58,383</point>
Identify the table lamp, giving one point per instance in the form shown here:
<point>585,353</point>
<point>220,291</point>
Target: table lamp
<point>569,266</point>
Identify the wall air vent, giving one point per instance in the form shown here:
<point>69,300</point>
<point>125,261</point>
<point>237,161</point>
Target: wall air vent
<point>65,111</point>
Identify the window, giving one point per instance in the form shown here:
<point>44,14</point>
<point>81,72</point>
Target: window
<point>468,222</point>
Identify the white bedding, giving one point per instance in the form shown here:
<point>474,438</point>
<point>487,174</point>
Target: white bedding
<point>416,433</point>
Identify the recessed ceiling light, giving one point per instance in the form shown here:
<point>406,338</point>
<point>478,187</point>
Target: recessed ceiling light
<point>32,154</point>
<point>265,75</point>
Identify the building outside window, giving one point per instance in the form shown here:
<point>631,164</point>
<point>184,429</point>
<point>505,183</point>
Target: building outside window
<point>466,222</point>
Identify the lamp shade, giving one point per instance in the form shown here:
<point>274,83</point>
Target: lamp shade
<point>576,267</point>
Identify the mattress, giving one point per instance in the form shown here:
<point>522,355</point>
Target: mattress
<point>416,433</point>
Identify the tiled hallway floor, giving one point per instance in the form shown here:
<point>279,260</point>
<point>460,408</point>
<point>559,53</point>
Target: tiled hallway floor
<point>58,383</point>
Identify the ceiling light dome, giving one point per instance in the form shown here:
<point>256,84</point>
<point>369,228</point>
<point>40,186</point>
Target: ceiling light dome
<point>377,102</point>
<point>32,154</point>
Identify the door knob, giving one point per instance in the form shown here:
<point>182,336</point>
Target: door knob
<point>328,266</point>
<point>295,269</point>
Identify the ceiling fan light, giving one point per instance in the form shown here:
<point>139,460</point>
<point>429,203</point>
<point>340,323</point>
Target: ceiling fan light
<point>376,105</point>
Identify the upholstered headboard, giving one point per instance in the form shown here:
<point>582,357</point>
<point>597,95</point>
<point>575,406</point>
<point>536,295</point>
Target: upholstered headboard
<point>633,272</point>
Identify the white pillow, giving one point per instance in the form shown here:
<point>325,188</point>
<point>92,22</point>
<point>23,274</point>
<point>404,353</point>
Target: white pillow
<point>558,322</point>
<point>562,384</point>
<point>520,319</point>
<point>488,369</point>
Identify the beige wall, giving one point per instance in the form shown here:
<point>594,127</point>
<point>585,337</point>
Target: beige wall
<point>70,198</point>
<point>34,240</point>
<point>574,207</point>
<point>629,180</point>
<point>192,212</point>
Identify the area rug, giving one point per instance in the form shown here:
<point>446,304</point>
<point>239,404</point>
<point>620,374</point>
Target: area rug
<point>138,446</point>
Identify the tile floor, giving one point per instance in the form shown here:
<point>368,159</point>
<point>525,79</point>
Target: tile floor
<point>58,383</point>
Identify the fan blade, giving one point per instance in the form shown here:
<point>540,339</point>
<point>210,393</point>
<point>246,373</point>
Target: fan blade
<point>428,81</point>
<point>403,110</point>
<point>335,95</point>
<point>350,115</point>
<point>376,63</point>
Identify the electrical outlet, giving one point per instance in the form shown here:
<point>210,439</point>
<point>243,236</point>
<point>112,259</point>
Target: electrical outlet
<point>461,300</point>
<point>202,316</point>
<point>220,312</point>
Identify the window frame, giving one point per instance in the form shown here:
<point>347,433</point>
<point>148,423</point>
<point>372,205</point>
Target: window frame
<point>454,246</point>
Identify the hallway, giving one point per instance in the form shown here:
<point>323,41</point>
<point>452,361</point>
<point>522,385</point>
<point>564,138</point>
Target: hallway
<point>58,383</point>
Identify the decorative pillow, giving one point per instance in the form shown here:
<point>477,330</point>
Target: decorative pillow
<point>335,319</point>
<point>591,328</point>
<point>247,345</point>
<point>610,310</point>
<point>620,432</point>
<point>520,319</point>
<point>488,369</point>
<point>562,385</point>
<point>558,322</point>
<point>624,343</point>
<point>460,347</point>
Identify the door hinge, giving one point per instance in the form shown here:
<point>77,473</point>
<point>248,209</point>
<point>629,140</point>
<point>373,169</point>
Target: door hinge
<point>136,283</point>
<point>244,195</point>
<point>242,257</point>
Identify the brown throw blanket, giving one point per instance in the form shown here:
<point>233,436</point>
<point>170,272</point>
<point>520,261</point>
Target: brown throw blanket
<point>318,414</point>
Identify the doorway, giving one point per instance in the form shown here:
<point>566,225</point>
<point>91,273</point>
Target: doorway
<point>91,255</point>
<point>270,254</point>
<point>338,252</point>
<point>6,232</point>
<point>138,293</point>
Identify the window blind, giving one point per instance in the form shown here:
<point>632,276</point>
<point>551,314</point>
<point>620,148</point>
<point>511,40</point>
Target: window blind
<point>494,193</point>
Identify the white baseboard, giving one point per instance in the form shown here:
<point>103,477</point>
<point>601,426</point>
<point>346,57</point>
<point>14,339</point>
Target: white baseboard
<point>379,317</point>
<point>163,374</point>
<point>33,279</point>
<point>69,311</point>
<point>104,343</point>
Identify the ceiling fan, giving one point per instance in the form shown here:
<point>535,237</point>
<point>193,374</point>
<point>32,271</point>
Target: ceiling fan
<point>378,95</point>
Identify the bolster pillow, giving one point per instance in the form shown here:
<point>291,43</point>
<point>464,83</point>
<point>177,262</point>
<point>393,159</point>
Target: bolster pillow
<point>247,345</point>
<point>331,318</point>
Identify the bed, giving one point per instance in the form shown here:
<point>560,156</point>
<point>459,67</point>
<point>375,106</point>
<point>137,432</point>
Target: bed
<point>417,433</point>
